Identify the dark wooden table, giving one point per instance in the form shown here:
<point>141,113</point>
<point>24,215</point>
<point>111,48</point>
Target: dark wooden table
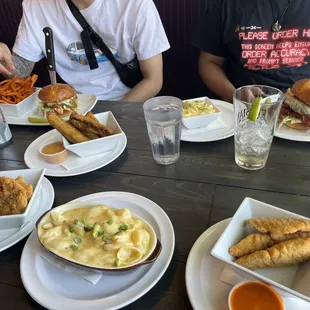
<point>205,186</point>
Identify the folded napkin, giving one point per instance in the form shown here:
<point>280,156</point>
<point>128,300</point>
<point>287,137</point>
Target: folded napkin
<point>88,275</point>
<point>233,276</point>
<point>218,124</point>
<point>73,161</point>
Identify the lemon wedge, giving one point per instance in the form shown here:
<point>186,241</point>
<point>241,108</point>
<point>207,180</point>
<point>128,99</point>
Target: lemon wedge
<point>255,109</point>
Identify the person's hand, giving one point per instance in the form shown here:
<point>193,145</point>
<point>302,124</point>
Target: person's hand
<point>248,94</point>
<point>6,62</point>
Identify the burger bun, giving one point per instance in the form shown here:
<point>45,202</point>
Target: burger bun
<point>56,93</point>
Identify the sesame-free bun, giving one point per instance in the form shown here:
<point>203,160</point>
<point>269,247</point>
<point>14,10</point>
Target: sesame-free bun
<point>56,93</point>
<point>301,89</point>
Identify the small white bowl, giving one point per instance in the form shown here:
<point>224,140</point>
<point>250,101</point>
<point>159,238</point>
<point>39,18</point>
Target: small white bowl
<point>56,158</point>
<point>201,121</point>
<point>150,257</point>
<point>31,176</point>
<point>245,282</point>
<point>293,279</point>
<point>99,145</point>
<point>19,109</point>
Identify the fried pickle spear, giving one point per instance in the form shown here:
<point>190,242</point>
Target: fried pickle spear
<point>284,253</point>
<point>250,244</point>
<point>65,128</point>
<point>89,123</point>
<point>279,225</point>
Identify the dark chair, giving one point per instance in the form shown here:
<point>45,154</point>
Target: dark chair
<point>179,17</point>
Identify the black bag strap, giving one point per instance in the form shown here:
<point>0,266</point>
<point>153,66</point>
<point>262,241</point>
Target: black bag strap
<point>92,36</point>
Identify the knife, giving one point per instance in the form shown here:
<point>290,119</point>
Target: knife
<point>50,54</point>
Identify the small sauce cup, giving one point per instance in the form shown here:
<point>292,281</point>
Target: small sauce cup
<point>250,295</point>
<point>53,152</point>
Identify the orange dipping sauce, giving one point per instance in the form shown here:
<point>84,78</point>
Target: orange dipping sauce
<point>255,296</point>
<point>53,148</point>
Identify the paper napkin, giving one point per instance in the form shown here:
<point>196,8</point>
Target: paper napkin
<point>88,275</point>
<point>73,161</point>
<point>233,276</point>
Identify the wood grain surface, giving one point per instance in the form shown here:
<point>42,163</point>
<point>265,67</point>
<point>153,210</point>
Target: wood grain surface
<point>205,186</point>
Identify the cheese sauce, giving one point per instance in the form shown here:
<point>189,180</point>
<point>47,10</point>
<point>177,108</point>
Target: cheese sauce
<point>98,236</point>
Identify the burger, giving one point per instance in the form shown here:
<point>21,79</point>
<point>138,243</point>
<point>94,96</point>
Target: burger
<point>60,98</point>
<point>295,110</point>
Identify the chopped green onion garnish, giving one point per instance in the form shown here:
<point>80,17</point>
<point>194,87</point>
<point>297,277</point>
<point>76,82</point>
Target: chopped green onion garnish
<point>117,262</point>
<point>123,227</point>
<point>73,247</point>
<point>77,240</point>
<point>71,229</point>
<point>110,222</point>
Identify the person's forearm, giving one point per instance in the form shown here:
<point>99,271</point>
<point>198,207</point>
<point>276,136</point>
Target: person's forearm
<point>144,90</point>
<point>216,80</point>
<point>23,67</point>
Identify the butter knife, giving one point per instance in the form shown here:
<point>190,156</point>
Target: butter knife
<point>50,54</point>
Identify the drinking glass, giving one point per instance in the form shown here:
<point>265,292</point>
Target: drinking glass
<point>163,117</point>
<point>253,139</point>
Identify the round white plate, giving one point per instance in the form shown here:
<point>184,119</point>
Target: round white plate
<point>203,271</point>
<point>86,104</point>
<point>45,200</point>
<point>33,159</point>
<point>205,135</point>
<point>55,289</point>
<point>292,134</point>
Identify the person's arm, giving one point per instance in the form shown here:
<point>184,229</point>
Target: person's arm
<point>213,75</point>
<point>152,70</point>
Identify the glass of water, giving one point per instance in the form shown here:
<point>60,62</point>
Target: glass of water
<point>256,110</point>
<point>163,117</point>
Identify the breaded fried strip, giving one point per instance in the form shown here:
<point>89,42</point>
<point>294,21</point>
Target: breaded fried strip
<point>92,124</point>
<point>65,128</point>
<point>279,226</point>
<point>91,116</point>
<point>284,253</point>
<point>298,234</point>
<point>250,244</point>
<point>84,128</point>
<point>90,135</point>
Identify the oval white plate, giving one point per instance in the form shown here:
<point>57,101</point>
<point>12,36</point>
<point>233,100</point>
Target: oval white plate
<point>86,104</point>
<point>55,289</point>
<point>205,135</point>
<point>33,160</point>
<point>203,271</point>
<point>292,134</point>
<point>44,203</point>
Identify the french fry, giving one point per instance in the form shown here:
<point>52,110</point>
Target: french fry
<point>17,89</point>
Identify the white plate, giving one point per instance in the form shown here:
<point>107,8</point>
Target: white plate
<point>292,134</point>
<point>204,288</point>
<point>86,104</point>
<point>33,160</point>
<point>55,289</point>
<point>42,204</point>
<point>203,135</point>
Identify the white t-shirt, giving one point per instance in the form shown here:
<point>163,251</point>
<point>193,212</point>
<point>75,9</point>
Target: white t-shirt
<point>127,27</point>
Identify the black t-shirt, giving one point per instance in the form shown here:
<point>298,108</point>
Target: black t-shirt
<point>240,31</point>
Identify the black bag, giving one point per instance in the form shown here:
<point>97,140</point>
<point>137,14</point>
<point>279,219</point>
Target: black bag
<point>129,73</point>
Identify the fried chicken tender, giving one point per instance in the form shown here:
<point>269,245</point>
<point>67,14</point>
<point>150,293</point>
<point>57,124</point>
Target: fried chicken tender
<point>284,253</point>
<point>27,187</point>
<point>250,244</point>
<point>298,234</point>
<point>65,128</point>
<point>279,226</point>
<point>13,197</point>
